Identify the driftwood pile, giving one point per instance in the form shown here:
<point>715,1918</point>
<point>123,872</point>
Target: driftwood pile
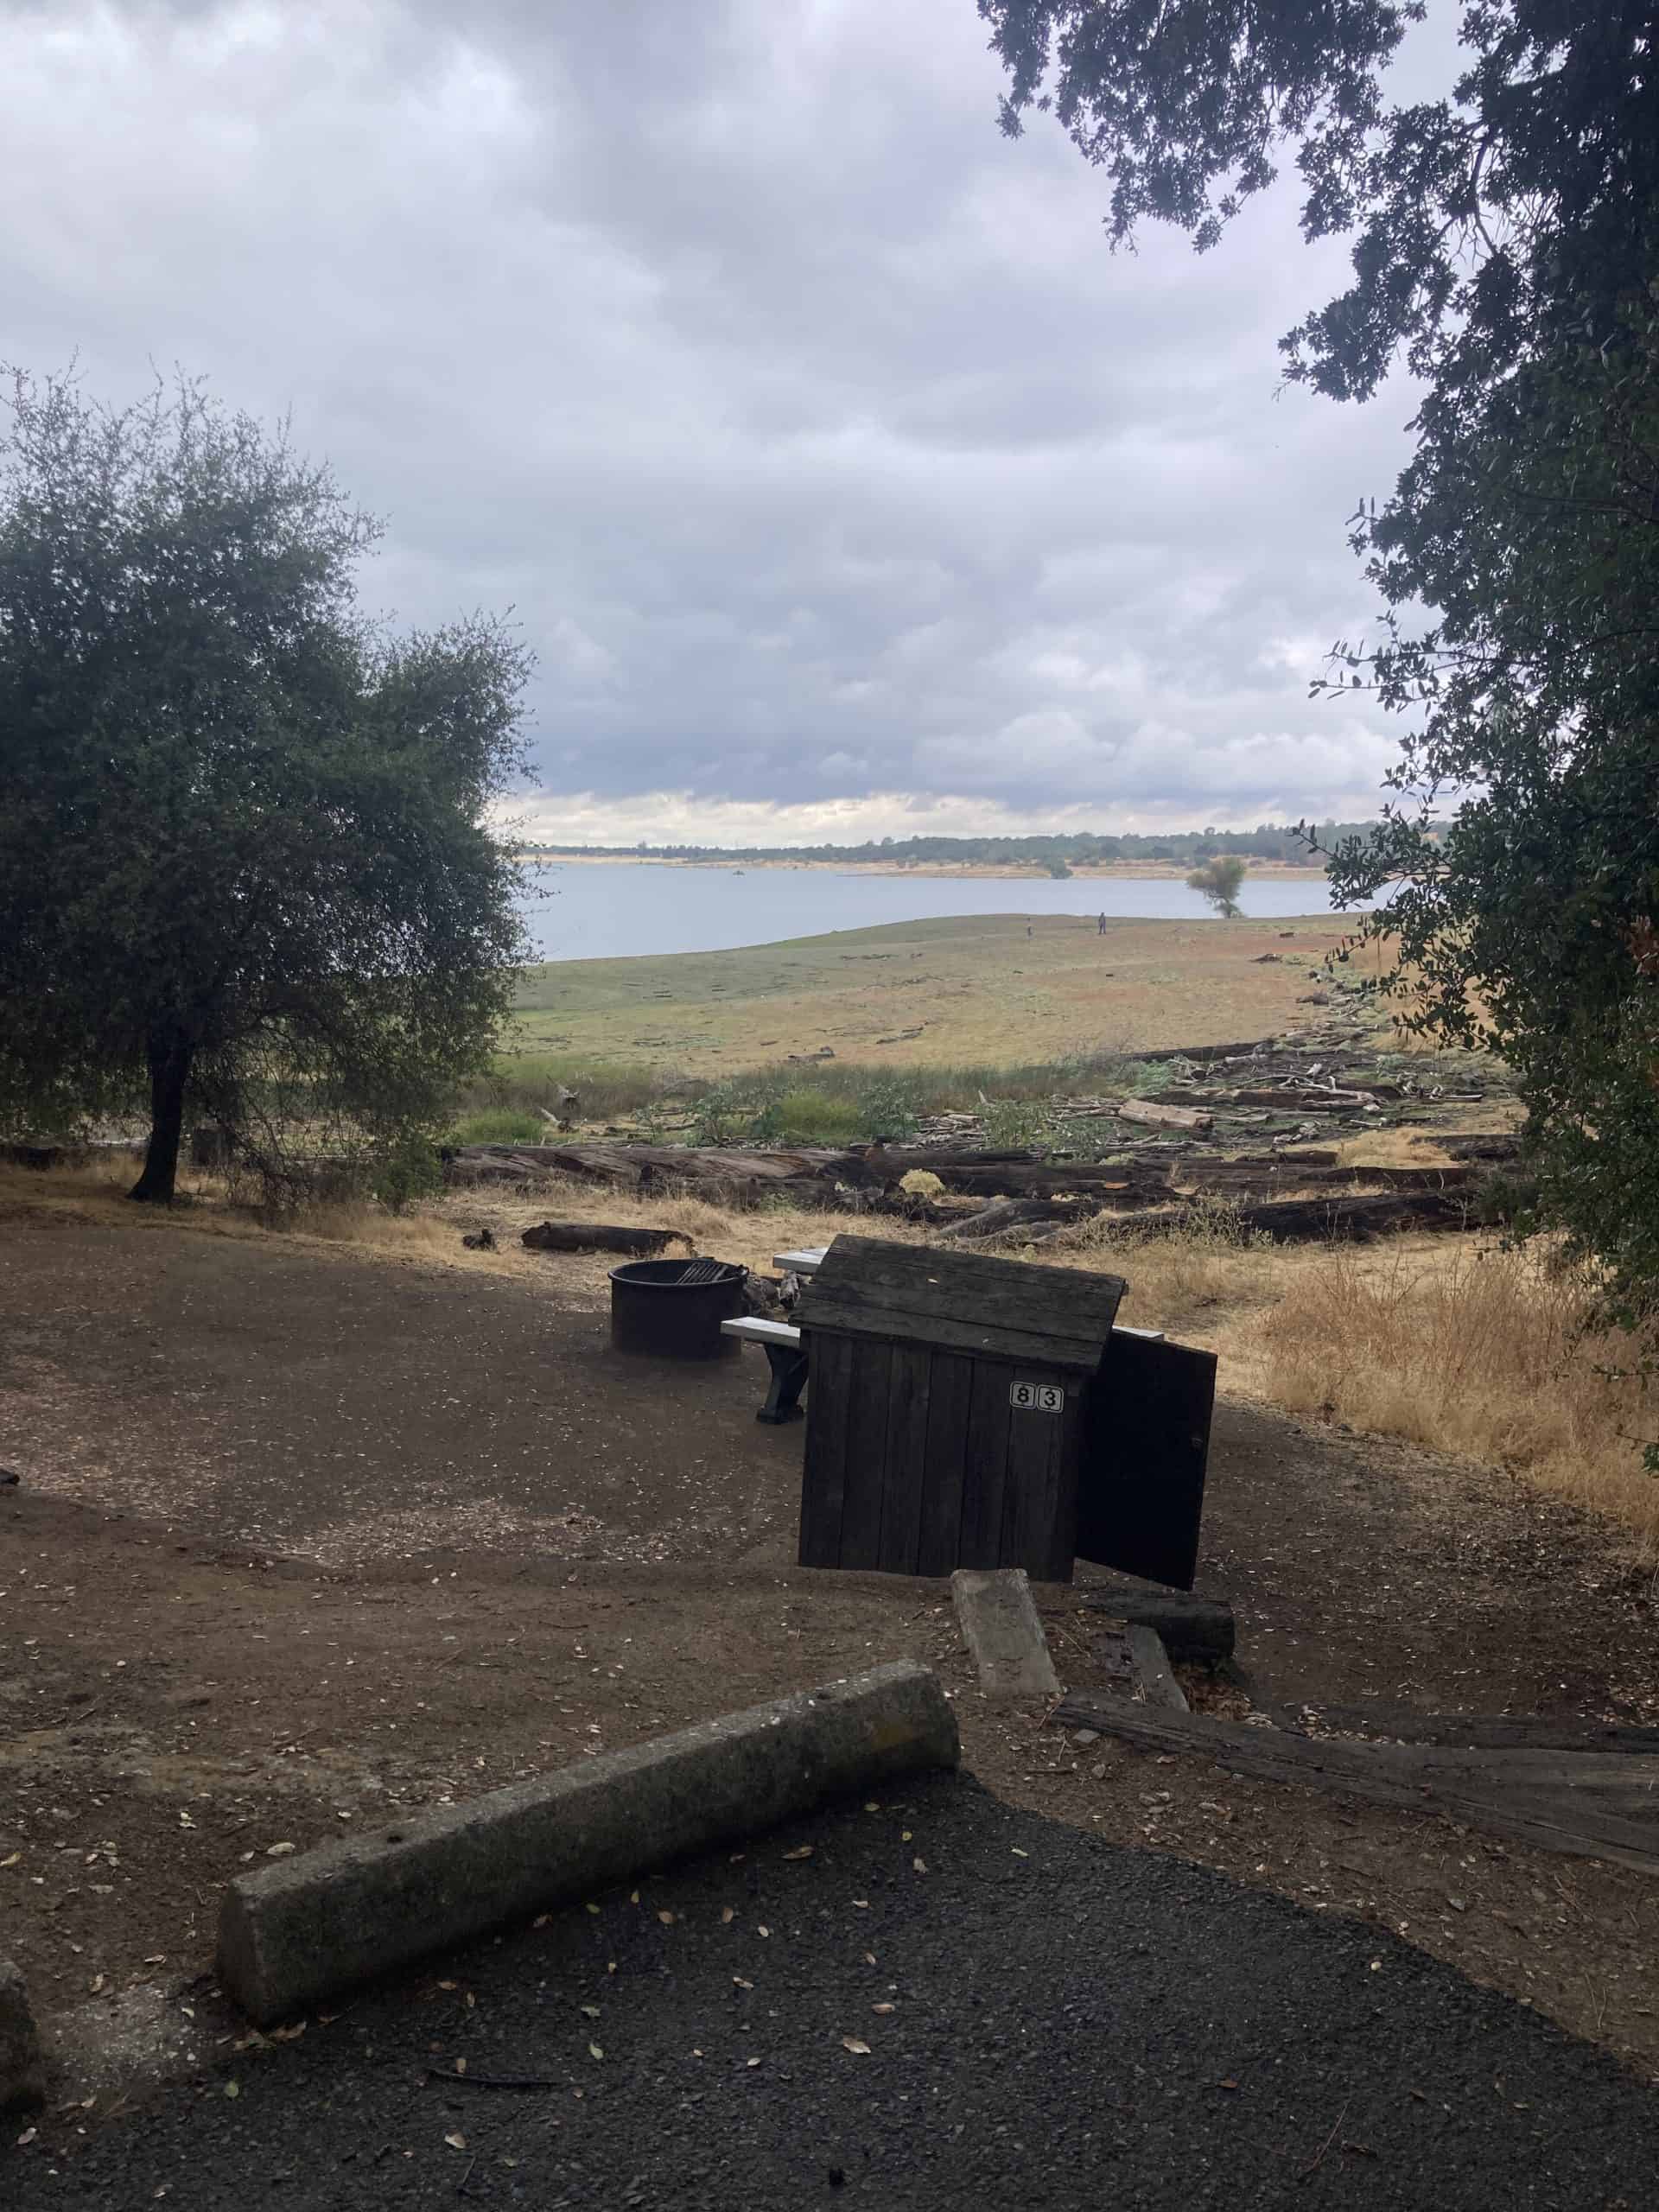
<point>1018,1191</point>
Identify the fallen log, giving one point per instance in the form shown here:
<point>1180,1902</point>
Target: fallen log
<point>1306,1101</point>
<point>1151,1113</point>
<point>1011,1214</point>
<point>1191,1627</point>
<point>602,1236</point>
<point>1290,1221</point>
<point>1122,1189</point>
<point>1552,1801</point>
<point>1497,1147</point>
<point>1200,1054</point>
<point>467,1173</point>
<point>1491,1731</point>
<point>1294,1174</point>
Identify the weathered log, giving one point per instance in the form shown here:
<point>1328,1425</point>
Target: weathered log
<point>602,1236</point>
<point>1199,1054</point>
<point>1290,1221</point>
<point>1292,1174</point>
<point>1490,1731</point>
<point>1151,1113</point>
<point>1122,1189</point>
<point>1594,1808</point>
<point>1306,1101</point>
<point>1495,1147</point>
<point>1191,1627</point>
<point>1013,1213</point>
<point>467,1172</point>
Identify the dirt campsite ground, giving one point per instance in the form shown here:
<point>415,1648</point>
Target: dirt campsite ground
<point>304,1534</point>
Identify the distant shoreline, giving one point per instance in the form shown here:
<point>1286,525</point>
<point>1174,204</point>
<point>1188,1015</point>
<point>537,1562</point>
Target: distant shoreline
<point>1012,872</point>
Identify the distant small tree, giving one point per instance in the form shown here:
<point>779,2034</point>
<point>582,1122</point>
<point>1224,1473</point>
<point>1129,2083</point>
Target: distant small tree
<point>1219,882</point>
<point>246,865</point>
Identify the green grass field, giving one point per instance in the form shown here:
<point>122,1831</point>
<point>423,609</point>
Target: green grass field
<point>917,1017</point>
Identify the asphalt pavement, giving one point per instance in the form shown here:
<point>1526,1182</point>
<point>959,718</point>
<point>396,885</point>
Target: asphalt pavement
<point>932,2002</point>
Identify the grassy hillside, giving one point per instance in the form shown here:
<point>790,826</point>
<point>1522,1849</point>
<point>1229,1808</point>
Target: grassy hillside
<point>980,989</point>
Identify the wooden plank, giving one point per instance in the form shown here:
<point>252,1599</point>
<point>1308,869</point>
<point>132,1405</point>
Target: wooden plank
<point>1191,1627</point>
<point>967,1286</point>
<point>906,1457</point>
<point>866,1454</point>
<point>1550,1823</point>
<point>949,1399</point>
<point>985,1465</point>
<point>1473,1731</point>
<point>1153,1672</point>
<point>922,1283</point>
<point>1145,1451</point>
<point>824,1477</point>
<point>856,1317</point>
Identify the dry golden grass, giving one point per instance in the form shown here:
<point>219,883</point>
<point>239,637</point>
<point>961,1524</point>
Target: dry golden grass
<point>1483,1351</point>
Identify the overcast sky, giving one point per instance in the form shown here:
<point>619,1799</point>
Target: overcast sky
<point>843,479</point>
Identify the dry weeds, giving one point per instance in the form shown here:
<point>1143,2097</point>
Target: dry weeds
<point>1481,1349</point>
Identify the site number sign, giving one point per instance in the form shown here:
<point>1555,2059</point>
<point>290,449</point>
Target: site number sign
<point>1037,1397</point>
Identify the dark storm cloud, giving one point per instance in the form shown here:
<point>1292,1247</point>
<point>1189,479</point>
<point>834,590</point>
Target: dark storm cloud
<point>820,444</point>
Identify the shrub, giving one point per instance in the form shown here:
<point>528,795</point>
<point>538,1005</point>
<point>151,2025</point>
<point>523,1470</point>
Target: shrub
<point>500,1125</point>
<point>811,1116</point>
<point>886,1109</point>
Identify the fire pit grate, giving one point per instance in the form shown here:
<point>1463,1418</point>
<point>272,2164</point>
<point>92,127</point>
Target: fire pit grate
<point>673,1308</point>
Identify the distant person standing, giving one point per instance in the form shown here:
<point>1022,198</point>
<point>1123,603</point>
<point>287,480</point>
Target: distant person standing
<point>1100,927</point>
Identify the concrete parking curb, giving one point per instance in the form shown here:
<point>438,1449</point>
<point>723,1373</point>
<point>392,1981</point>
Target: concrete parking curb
<point>294,1934</point>
<point>1000,1627</point>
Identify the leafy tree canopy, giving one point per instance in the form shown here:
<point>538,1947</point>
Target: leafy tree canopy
<point>1505,246</point>
<point>245,871</point>
<point>1219,881</point>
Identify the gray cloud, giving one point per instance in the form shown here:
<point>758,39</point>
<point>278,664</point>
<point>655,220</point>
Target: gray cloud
<point>829,458</point>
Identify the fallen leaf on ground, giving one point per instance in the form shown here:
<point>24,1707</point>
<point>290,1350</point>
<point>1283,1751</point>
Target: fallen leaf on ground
<point>751,2062</point>
<point>920,1865</point>
<point>457,2141</point>
<point>667,1919</point>
<point>854,2043</point>
<point>727,1916</point>
<point>232,2088</point>
<point>766,1931</point>
<point>276,1850</point>
<point>806,1852</point>
<point>593,2051</point>
<point>591,2011</point>
<point>884,2008</point>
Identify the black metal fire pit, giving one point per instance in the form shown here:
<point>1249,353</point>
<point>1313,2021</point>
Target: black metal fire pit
<point>673,1308</point>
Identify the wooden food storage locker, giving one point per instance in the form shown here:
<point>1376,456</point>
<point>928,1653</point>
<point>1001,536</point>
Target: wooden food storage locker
<point>945,1417</point>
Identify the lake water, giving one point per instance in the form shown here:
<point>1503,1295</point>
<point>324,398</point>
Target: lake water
<point>585,911</point>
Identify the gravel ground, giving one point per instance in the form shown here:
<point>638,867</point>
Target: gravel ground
<point>1049,2021</point>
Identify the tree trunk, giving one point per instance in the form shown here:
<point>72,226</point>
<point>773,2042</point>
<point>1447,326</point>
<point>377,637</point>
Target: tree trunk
<point>171,1056</point>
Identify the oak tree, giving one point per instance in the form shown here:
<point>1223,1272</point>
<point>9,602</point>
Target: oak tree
<point>246,867</point>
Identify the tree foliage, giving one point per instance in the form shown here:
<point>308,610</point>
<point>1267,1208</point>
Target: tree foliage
<point>1505,246</point>
<point>1219,881</point>
<point>245,871</point>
